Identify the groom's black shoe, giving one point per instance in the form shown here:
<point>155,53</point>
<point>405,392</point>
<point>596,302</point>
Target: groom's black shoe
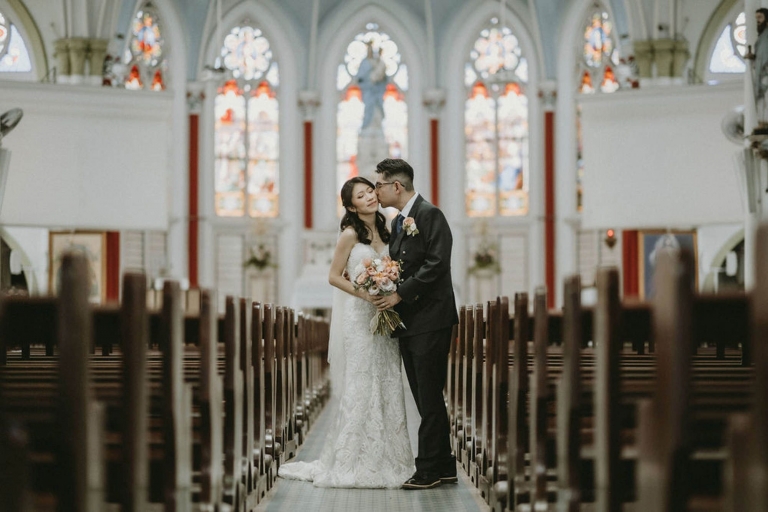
<point>449,477</point>
<point>422,481</point>
<point>448,473</point>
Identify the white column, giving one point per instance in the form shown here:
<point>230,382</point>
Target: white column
<point>312,70</point>
<point>750,121</point>
<point>567,219</point>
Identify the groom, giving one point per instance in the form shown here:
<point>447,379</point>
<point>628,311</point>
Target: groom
<point>421,239</point>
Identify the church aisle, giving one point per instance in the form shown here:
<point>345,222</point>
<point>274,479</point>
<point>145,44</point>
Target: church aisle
<point>292,495</point>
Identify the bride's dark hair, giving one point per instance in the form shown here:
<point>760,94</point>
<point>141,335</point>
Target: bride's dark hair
<point>351,218</point>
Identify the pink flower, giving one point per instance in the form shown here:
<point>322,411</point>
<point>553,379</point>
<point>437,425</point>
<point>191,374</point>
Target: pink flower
<point>367,262</point>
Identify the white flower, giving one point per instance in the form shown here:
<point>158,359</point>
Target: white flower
<point>373,290</point>
<point>388,286</point>
<point>410,226</point>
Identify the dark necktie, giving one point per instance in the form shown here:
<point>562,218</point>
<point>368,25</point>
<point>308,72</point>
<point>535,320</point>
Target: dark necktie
<point>399,223</point>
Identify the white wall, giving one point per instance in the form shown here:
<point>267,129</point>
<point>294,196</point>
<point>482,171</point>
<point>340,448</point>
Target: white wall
<point>658,158</point>
<point>74,165</point>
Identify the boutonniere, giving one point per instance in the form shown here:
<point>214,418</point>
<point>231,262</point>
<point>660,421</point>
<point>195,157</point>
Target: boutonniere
<point>410,226</point>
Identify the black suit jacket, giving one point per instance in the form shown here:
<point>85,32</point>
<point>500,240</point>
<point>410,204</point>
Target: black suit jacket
<point>427,290</point>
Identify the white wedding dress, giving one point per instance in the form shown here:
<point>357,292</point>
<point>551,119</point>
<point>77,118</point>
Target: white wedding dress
<point>368,444</point>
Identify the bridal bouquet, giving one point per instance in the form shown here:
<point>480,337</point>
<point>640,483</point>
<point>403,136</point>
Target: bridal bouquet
<point>380,276</point>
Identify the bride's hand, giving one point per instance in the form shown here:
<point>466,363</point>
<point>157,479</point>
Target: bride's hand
<point>363,294</point>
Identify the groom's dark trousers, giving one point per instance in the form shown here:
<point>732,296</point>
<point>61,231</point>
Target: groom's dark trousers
<point>425,357</point>
<point>428,311</point>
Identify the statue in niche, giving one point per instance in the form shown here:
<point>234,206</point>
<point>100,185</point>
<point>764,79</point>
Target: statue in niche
<point>760,71</point>
<point>372,80</point>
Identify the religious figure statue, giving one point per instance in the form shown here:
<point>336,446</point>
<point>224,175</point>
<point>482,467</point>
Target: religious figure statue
<point>8,122</point>
<point>372,79</point>
<point>760,63</point>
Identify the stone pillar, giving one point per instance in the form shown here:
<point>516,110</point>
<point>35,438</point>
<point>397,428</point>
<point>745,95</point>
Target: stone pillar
<point>664,53</point>
<point>644,58</point>
<point>434,100</point>
<point>63,69</point>
<point>78,49</point>
<point>98,50</point>
<point>680,59</point>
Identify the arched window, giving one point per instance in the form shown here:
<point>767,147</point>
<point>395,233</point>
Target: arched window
<point>145,55</point>
<point>350,110</point>
<point>14,57</point>
<point>731,46</point>
<point>599,54</point>
<point>597,74</point>
<point>496,125</point>
<point>247,134</point>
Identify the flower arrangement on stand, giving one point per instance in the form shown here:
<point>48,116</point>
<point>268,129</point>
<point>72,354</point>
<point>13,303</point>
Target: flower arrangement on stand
<point>261,258</point>
<point>485,259</point>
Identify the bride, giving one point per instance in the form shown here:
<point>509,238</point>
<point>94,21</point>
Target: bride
<point>368,444</point>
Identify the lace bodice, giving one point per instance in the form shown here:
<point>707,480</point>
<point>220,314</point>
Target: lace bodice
<point>359,253</point>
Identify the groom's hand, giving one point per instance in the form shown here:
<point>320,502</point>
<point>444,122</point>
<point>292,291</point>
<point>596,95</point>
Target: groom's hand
<point>387,302</point>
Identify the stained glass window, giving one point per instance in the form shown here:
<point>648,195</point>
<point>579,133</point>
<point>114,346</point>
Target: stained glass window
<point>145,55</point>
<point>600,54</point>
<point>14,57</point>
<point>247,134</point>
<point>351,110</point>
<point>3,32</point>
<point>599,58</point>
<point>731,46</point>
<point>496,125</point>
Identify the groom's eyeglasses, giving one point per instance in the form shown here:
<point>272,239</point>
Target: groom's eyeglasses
<point>382,183</point>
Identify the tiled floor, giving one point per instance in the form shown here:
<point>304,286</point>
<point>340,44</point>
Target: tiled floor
<point>292,495</point>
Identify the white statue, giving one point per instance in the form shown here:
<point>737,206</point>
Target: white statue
<point>372,79</point>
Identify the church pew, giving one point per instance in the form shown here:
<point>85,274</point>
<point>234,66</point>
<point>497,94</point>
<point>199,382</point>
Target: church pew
<point>129,398</point>
<point>456,385</point>
<point>711,316</point>
<point>570,490</point>
<point>499,383</point>
<point>80,476</point>
<point>475,431</point>
<point>484,397</point>
<point>504,492</point>
<point>229,337</point>
<point>663,439</point>
<point>746,472</point>
<point>740,302</point>
<point>233,488</point>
